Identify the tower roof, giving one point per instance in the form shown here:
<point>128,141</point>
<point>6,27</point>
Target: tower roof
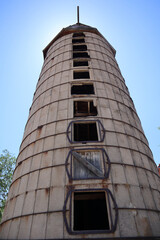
<point>78,27</point>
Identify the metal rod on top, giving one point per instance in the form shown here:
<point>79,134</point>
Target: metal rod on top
<point>78,14</point>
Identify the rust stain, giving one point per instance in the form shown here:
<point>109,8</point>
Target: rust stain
<point>104,184</point>
<point>116,187</point>
<point>39,130</point>
<point>84,236</point>
<point>147,230</point>
<point>15,183</point>
<point>70,181</point>
<point>4,223</point>
<point>127,186</point>
<point>47,190</point>
<point>70,187</point>
<point>26,218</point>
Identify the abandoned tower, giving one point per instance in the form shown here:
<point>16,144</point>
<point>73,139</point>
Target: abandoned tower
<point>84,169</point>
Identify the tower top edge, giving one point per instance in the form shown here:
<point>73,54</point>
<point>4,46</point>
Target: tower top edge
<point>78,27</point>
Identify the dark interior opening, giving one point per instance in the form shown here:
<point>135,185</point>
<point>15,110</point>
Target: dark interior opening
<point>81,55</point>
<point>79,48</point>
<point>78,40</point>
<point>82,89</point>
<point>85,132</point>
<point>79,75</point>
<point>84,108</point>
<point>90,211</point>
<point>80,63</point>
<point>78,35</point>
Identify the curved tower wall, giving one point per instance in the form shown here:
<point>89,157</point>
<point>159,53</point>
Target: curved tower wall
<point>50,180</point>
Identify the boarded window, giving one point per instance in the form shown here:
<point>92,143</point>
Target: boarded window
<point>82,89</point>
<point>78,40</point>
<point>87,164</point>
<point>85,132</point>
<point>78,34</point>
<point>80,63</point>
<point>81,55</point>
<point>84,108</point>
<point>90,211</point>
<point>79,47</point>
<point>81,75</point>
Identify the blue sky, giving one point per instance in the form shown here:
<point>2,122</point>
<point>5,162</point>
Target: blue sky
<point>131,26</point>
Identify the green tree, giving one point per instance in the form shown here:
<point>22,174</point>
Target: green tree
<point>7,164</point>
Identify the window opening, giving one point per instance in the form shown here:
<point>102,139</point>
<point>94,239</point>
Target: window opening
<point>78,35</point>
<point>80,63</point>
<point>79,48</point>
<point>90,211</point>
<point>81,55</point>
<point>84,108</point>
<point>79,75</point>
<point>82,89</point>
<point>78,40</point>
<point>85,132</point>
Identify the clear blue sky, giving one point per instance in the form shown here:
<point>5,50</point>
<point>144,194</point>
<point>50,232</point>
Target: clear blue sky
<point>26,27</point>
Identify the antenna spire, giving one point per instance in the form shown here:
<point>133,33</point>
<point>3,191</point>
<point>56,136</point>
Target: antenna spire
<point>78,14</point>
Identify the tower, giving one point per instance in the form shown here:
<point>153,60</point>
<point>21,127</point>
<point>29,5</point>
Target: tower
<point>84,168</point>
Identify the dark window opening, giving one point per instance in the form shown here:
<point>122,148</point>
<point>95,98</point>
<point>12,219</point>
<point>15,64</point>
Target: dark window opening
<point>85,132</point>
<point>79,48</point>
<point>78,35</point>
<point>81,55</point>
<point>78,40</point>
<point>82,89</point>
<point>80,63</point>
<point>90,211</point>
<point>84,108</point>
<point>79,75</point>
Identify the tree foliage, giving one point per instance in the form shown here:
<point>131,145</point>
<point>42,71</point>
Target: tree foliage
<point>7,164</point>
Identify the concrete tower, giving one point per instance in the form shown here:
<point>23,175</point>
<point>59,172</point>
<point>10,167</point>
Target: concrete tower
<point>84,170</point>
